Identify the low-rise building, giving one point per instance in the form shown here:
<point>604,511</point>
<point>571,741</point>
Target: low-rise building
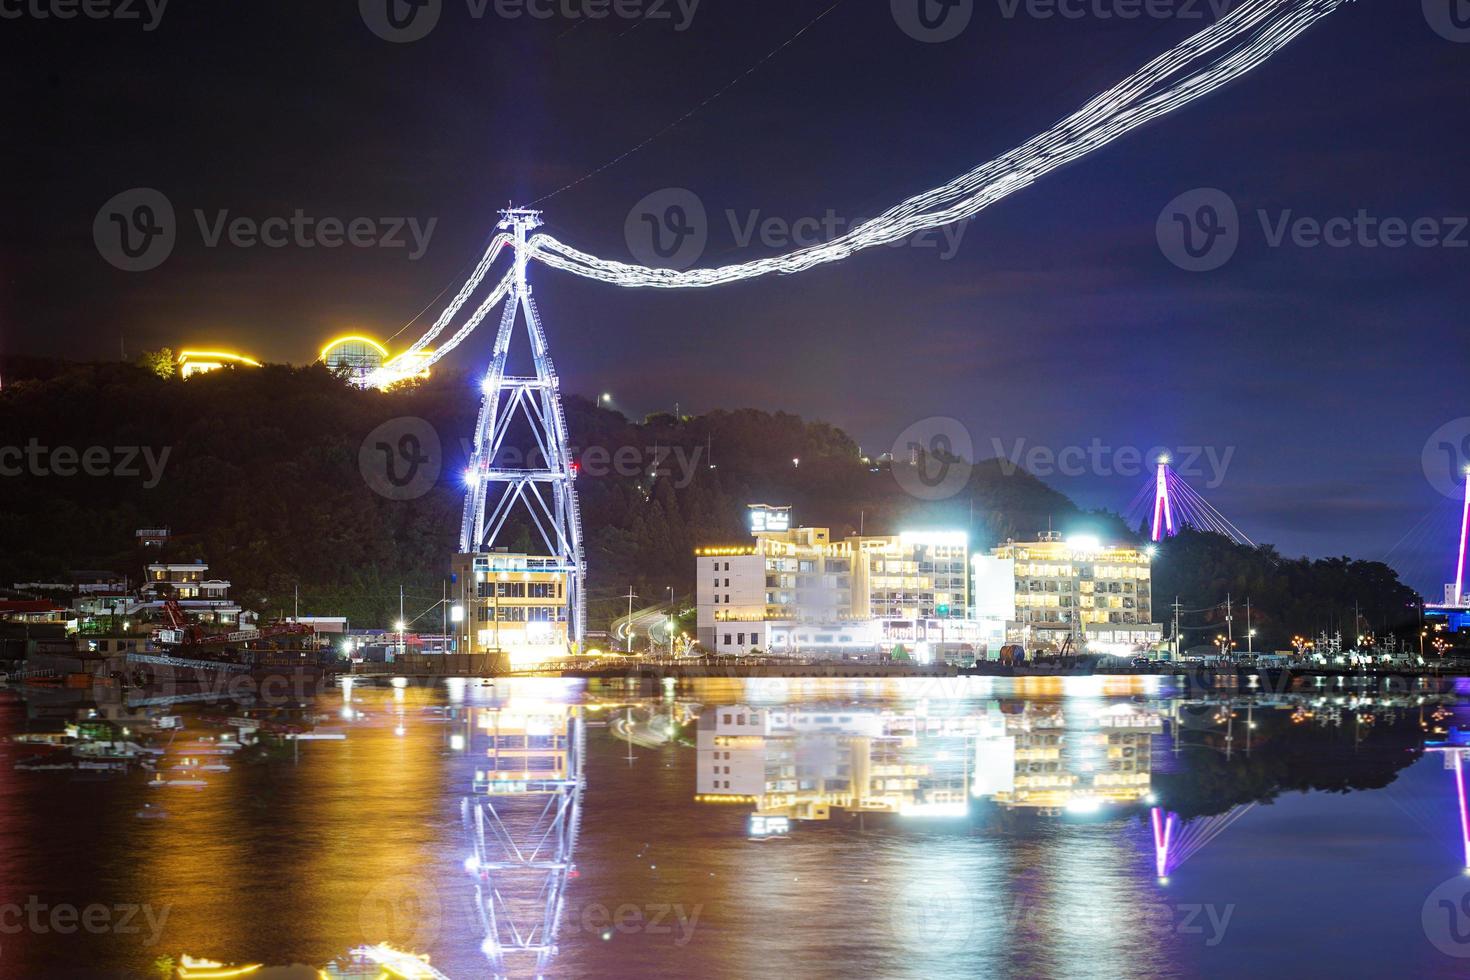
<point>32,611</point>
<point>511,604</point>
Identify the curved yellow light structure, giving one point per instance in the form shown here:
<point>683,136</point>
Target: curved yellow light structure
<point>352,339</point>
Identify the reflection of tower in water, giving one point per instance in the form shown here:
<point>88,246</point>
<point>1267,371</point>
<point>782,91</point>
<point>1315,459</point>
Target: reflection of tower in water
<point>523,816</point>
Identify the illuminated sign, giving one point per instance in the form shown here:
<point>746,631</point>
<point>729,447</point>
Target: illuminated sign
<point>767,826</point>
<point>764,517</point>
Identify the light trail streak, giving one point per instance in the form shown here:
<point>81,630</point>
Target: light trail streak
<point>1234,45</point>
<point>1237,43</point>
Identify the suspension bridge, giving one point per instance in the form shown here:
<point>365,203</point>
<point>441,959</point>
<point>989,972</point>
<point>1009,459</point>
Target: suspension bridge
<point>1169,503</point>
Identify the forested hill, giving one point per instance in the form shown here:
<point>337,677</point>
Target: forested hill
<point>270,475</point>
<point>260,472</point>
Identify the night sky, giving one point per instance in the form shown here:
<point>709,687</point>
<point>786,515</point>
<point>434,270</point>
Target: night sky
<point>1058,321</point>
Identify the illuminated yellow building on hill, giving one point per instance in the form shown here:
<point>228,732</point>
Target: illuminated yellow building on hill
<point>367,362</point>
<point>192,362</point>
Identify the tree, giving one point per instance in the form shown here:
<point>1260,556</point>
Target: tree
<point>160,362</point>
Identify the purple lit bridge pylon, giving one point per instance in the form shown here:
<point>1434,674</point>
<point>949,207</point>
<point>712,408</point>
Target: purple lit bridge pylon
<point>1169,503</point>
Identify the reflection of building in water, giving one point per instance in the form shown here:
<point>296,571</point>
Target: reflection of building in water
<point>802,762</point>
<point>1080,761</point>
<point>523,816</point>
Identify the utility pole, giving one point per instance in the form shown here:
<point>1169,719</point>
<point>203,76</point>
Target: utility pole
<point>1250,646</point>
<point>444,601</point>
<point>1177,647</point>
<point>671,622</point>
<point>1229,627</point>
<point>628,642</point>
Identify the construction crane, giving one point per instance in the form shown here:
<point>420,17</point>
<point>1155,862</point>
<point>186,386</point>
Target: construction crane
<point>179,631</point>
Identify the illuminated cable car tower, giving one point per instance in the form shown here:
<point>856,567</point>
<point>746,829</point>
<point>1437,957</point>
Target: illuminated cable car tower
<point>544,490</point>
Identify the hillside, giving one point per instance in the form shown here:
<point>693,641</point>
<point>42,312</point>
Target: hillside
<point>261,473</point>
<point>258,472</point>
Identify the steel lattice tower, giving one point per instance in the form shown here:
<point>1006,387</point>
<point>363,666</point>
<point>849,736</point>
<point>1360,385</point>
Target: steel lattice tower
<point>546,490</point>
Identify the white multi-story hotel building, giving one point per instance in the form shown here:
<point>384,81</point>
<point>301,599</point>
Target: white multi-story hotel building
<point>798,590</point>
<point>1053,589</point>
